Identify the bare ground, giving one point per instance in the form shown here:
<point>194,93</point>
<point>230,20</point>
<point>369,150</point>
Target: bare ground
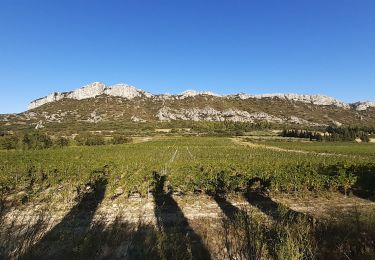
<point>26,225</point>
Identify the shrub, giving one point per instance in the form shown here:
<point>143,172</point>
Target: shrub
<point>90,140</point>
<point>36,141</point>
<point>9,142</point>
<point>120,139</point>
<point>62,141</point>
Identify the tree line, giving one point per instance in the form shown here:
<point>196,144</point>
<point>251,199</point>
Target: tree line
<point>331,134</point>
<point>38,140</point>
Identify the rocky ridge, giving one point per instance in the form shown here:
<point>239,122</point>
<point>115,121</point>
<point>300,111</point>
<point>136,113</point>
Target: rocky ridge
<point>129,92</point>
<point>233,115</point>
<point>91,91</point>
<point>361,106</point>
<point>122,105</point>
<point>319,100</point>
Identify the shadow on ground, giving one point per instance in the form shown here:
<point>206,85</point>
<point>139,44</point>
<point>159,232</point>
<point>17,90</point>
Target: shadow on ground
<point>78,236</point>
<point>179,241</point>
<point>257,197</point>
<point>61,242</point>
<point>242,233</point>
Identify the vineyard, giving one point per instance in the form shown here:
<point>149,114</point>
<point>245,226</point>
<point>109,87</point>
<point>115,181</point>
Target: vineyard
<point>348,148</point>
<point>189,167</point>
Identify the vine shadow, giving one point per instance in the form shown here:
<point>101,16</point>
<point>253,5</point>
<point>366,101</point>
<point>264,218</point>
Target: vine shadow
<point>257,197</point>
<point>178,239</point>
<point>63,240</point>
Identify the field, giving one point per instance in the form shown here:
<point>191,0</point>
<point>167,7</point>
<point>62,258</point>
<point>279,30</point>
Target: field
<point>349,148</point>
<point>249,184</point>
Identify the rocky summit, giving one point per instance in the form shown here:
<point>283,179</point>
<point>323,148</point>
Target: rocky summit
<point>91,91</point>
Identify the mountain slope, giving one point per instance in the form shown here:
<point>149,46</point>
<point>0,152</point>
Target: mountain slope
<point>122,104</point>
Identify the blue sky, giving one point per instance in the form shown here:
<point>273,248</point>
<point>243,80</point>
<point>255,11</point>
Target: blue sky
<point>264,46</point>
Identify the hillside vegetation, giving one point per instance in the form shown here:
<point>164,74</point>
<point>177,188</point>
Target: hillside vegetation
<point>113,113</point>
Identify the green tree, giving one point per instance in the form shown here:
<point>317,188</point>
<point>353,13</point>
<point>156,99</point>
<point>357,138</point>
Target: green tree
<point>36,140</point>
<point>120,139</point>
<point>90,140</point>
<point>9,142</point>
<point>62,141</point>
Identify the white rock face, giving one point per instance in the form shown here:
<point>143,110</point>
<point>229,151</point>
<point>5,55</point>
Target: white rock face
<point>193,93</point>
<point>233,115</point>
<point>211,114</point>
<point>361,106</point>
<point>137,119</point>
<point>39,125</point>
<point>91,91</point>
<point>123,90</point>
<point>88,91</point>
<point>312,99</point>
<point>48,99</point>
<point>94,118</point>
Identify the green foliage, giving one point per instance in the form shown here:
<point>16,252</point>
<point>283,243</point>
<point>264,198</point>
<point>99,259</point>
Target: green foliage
<point>61,141</point>
<point>346,134</point>
<point>120,139</point>
<point>210,165</point>
<point>334,134</point>
<point>36,141</point>
<point>302,134</point>
<point>9,142</point>
<point>90,140</point>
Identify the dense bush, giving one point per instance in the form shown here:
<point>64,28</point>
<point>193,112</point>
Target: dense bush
<point>90,140</point>
<point>28,141</point>
<point>120,139</point>
<point>36,140</point>
<point>9,142</point>
<point>346,134</point>
<point>62,141</point>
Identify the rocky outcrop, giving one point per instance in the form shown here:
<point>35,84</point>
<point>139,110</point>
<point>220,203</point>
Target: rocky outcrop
<point>91,91</point>
<point>360,106</point>
<point>94,118</point>
<point>318,100</point>
<point>88,91</point>
<point>125,91</point>
<point>233,115</point>
<point>211,114</point>
<point>193,93</point>
<point>137,119</point>
<point>48,99</point>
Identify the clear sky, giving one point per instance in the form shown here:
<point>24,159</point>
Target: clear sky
<point>260,46</point>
